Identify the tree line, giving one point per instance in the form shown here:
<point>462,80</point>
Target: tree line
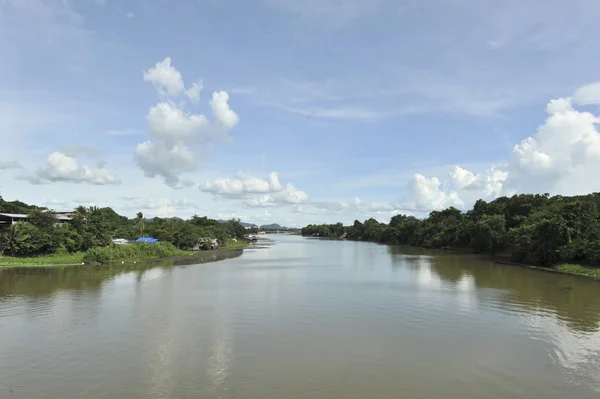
<point>534,229</point>
<point>93,227</point>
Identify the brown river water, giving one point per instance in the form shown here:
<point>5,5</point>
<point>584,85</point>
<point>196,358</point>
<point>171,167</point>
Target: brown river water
<point>301,318</point>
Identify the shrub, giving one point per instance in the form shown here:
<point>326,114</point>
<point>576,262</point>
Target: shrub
<point>131,252</point>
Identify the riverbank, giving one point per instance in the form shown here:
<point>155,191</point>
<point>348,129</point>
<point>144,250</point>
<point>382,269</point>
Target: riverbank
<point>123,254</point>
<point>567,269</point>
<point>47,260</point>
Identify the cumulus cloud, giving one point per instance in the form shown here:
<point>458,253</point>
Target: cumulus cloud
<point>288,195</point>
<point>165,78</point>
<point>171,124</point>
<point>242,184</point>
<point>177,135</point>
<point>5,165</point>
<point>225,116</point>
<point>562,157</point>
<point>428,195</point>
<point>161,159</point>
<point>247,186</point>
<point>193,92</point>
<point>64,168</point>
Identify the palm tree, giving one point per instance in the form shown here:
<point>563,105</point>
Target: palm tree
<point>13,239</point>
<point>139,222</point>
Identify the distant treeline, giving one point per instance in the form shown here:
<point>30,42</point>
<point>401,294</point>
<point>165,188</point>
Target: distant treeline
<point>93,227</point>
<point>535,229</point>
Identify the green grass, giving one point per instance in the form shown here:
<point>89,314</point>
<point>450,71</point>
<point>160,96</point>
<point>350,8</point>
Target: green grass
<point>230,244</point>
<point>112,254</point>
<point>132,252</point>
<point>47,260</point>
<point>579,270</point>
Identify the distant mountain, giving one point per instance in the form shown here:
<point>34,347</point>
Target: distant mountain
<point>242,223</point>
<point>273,226</point>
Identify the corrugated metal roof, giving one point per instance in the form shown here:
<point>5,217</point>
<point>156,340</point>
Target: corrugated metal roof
<point>14,215</point>
<point>23,216</point>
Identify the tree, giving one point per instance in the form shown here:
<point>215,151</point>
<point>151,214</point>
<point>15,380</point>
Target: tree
<point>489,234</point>
<point>139,222</point>
<point>14,240</point>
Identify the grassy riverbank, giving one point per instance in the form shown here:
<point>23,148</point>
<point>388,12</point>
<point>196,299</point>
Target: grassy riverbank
<point>231,244</point>
<point>579,270</point>
<point>115,254</point>
<point>132,253</point>
<point>48,260</point>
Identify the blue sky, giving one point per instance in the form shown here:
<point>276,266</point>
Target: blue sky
<point>325,110</point>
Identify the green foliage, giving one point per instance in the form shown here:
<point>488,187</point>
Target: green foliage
<point>15,207</point>
<point>536,229</point>
<point>92,229</point>
<point>130,253</point>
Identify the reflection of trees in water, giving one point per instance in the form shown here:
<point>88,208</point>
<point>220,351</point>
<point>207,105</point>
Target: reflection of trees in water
<point>43,281</point>
<point>573,300</point>
<point>565,309</point>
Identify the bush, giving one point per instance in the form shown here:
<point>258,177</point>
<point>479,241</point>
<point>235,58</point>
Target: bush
<point>129,253</point>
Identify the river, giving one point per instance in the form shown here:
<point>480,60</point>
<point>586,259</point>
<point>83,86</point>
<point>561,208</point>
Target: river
<point>299,319</point>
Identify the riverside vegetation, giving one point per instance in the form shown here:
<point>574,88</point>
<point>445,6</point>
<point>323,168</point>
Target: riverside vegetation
<point>87,237</point>
<point>556,232</point>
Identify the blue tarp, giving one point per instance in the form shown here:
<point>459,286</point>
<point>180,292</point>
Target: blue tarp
<point>146,239</point>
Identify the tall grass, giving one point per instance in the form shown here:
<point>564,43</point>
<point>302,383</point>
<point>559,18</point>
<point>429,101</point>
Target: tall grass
<point>131,252</point>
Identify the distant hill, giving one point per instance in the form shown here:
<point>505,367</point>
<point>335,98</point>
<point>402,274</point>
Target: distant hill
<point>242,223</point>
<point>175,218</point>
<point>273,226</point>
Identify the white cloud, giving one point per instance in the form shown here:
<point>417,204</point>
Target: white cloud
<point>179,135</point>
<point>170,124</point>
<point>193,92</point>
<point>588,94</point>
<point>76,150</point>
<point>247,186</point>
<point>225,116</point>
<point>5,165</point>
<point>427,194</point>
<point>130,15</point>
<point>562,157</point>
<point>165,78</point>
<point>287,195</point>
<point>101,3</point>
<point>242,184</point>
<point>64,168</point>
<point>461,178</point>
<point>290,195</point>
<point>168,161</point>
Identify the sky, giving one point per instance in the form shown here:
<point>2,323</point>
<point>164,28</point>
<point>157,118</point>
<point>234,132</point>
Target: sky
<point>296,112</point>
